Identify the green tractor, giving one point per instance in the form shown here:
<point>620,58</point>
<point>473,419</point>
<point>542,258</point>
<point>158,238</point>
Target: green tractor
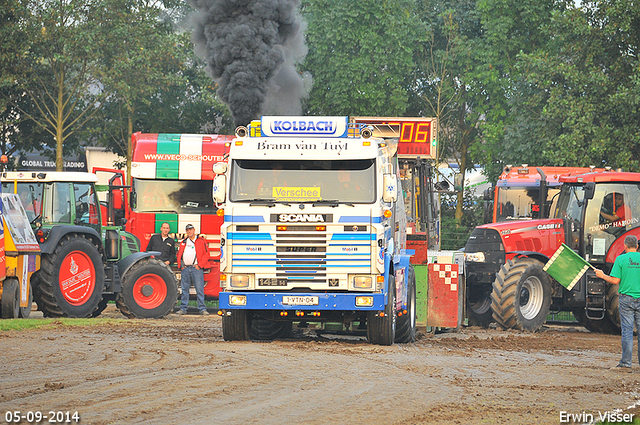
<point>86,259</point>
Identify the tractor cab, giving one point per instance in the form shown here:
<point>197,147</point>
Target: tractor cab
<point>599,208</point>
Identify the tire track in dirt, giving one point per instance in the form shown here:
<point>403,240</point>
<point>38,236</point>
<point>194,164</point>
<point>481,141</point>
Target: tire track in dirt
<point>180,370</point>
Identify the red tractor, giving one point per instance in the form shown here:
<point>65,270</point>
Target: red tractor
<point>526,192</point>
<point>505,279</point>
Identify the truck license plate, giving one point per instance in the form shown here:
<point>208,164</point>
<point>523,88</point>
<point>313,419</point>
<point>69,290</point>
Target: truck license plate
<point>290,300</point>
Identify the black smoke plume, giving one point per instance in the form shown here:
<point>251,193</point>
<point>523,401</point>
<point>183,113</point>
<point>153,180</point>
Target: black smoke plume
<point>251,48</point>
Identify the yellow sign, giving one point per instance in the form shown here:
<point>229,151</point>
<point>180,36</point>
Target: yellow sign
<point>296,193</point>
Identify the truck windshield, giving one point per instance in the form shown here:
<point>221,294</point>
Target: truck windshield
<point>178,196</point>
<point>344,181</point>
<point>523,202</point>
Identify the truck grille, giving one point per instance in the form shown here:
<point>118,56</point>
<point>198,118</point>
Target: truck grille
<point>302,255</point>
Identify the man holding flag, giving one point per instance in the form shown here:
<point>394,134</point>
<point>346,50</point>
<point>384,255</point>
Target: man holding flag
<point>626,273</point>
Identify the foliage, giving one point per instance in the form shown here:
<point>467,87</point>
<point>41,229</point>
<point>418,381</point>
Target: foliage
<point>79,72</point>
<point>57,67</point>
<point>454,233</point>
<point>542,82</point>
<point>154,80</point>
<point>585,86</point>
<point>360,56</point>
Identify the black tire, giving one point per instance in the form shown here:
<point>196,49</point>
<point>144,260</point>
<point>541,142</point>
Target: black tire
<point>235,325</point>
<point>521,295</point>
<point>102,305</point>
<point>74,256</point>
<point>613,310</point>
<point>382,330</point>
<point>10,299</point>
<point>149,290</point>
<point>479,310</point>
<point>603,326</point>
<point>26,311</point>
<point>263,329</point>
<point>406,324</point>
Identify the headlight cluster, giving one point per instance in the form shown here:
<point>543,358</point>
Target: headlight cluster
<point>239,280</point>
<point>474,257</point>
<point>361,281</point>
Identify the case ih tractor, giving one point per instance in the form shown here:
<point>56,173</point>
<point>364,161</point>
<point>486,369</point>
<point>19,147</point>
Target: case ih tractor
<point>85,263</point>
<point>526,192</point>
<point>592,214</point>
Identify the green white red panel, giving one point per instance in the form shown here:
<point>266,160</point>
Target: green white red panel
<point>177,156</point>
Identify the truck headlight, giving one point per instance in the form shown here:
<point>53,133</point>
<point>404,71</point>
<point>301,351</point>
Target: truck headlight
<point>364,301</point>
<point>238,280</point>
<point>237,300</point>
<point>474,257</point>
<point>362,282</point>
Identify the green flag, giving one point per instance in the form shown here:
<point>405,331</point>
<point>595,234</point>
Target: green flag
<point>566,267</point>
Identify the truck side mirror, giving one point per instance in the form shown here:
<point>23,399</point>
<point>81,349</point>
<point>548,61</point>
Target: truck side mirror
<point>133,199</point>
<point>220,167</point>
<point>589,190</point>
<point>219,189</point>
<point>390,192</point>
<point>488,194</point>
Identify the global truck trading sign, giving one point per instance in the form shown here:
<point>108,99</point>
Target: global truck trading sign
<point>416,136</point>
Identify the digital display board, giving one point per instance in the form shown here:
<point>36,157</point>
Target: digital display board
<point>416,136</point>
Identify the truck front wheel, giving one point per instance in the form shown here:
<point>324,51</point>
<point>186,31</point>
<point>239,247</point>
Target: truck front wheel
<point>235,325</point>
<point>521,295</point>
<point>149,290</point>
<point>263,329</point>
<point>381,329</point>
<point>26,311</point>
<point>406,324</point>
<point>10,299</point>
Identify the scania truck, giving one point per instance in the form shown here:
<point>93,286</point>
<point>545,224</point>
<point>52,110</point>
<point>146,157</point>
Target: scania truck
<point>314,231</point>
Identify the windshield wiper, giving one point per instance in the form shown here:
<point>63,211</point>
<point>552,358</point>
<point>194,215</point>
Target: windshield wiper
<point>330,203</point>
<point>261,201</point>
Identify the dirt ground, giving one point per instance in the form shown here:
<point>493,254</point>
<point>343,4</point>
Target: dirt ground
<point>179,370</point>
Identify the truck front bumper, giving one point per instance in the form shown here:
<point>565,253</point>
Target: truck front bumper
<point>301,301</point>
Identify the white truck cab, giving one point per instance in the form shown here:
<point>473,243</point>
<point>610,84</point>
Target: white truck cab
<point>314,229</point>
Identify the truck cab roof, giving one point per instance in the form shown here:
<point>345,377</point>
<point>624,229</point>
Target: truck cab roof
<point>49,176</point>
<point>530,176</point>
<point>601,177</point>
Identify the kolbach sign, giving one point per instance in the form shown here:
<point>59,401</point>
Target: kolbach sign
<point>34,161</point>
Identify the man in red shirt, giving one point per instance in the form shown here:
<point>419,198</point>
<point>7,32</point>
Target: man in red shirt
<point>620,211</point>
<point>193,256</point>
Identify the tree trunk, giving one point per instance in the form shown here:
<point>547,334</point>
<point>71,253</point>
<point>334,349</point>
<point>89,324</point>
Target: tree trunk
<point>60,123</point>
<point>128,146</point>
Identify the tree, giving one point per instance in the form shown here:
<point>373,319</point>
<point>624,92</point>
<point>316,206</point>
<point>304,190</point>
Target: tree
<point>154,80</point>
<point>360,56</point>
<point>445,86</point>
<point>585,86</point>
<point>58,67</point>
<point>17,132</point>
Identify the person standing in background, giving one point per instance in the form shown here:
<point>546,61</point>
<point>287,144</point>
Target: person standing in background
<point>626,273</point>
<point>193,256</point>
<point>163,243</point>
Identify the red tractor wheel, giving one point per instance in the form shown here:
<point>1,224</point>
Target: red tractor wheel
<point>149,290</point>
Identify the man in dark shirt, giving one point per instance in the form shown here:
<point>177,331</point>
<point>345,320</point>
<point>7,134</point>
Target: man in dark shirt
<point>163,243</point>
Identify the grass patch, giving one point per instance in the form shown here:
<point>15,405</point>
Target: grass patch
<point>24,324</point>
